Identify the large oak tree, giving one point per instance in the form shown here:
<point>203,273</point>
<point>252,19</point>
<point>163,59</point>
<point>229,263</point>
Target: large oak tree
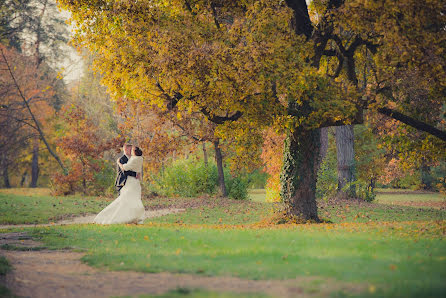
<point>268,63</point>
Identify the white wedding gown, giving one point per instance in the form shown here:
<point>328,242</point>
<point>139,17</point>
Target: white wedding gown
<point>128,206</point>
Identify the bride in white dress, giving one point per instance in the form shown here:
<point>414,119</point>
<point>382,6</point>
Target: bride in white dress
<point>128,207</point>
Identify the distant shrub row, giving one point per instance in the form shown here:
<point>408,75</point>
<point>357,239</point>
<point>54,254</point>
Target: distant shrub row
<point>191,178</point>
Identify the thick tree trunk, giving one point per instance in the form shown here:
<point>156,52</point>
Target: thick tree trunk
<point>6,182</point>
<point>221,175</point>
<point>205,155</point>
<point>345,151</point>
<point>35,164</point>
<point>299,174</point>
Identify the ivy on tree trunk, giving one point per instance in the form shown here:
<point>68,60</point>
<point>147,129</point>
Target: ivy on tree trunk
<point>299,174</point>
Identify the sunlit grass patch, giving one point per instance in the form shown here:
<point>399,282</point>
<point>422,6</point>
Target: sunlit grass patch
<point>26,191</point>
<point>197,293</point>
<point>257,195</point>
<point>245,213</point>
<point>18,209</point>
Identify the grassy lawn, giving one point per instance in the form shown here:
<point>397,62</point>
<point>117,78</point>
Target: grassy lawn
<point>257,195</point>
<point>387,250</point>
<point>37,206</point>
<point>388,198</point>
<point>237,213</point>
<point>196,293</point>
<point>404,259</point>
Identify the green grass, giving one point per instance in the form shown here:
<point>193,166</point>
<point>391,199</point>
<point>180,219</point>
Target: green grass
<point>197,293</point>
<point>398,195</point>
<point>241,213</point>
<point>377,213</point>
<point>394,250</point>
<point>411,197</point>
<point>257,195</point>
<point>407,259</point>
<point>250,212</point>
<point>4,266</point>
<point>18,209</point>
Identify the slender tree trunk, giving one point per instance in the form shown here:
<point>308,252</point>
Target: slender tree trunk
<point>426,177</point>
<point>299,174</point>
<point>324,142</point>
<point>35,163</point>
<point>346,160</point>
<point>221,175</point>
<point>205,154</point>
<point>372,184</point>
<point>22,181</point>
<point>6,177</point>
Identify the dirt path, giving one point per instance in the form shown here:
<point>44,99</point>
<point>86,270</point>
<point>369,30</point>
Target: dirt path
<point>46,273</point>
<point>89,219</point>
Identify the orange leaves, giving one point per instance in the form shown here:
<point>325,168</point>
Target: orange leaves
<point>83,147</point>
<point>272,158</point>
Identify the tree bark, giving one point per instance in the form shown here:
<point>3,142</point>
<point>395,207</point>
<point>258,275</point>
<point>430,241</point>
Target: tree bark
<point>299,174</point>
<point>6,182</point>
<point>35,164</point>
<point>426,176</point>
<point>22,181</point>
<point>346,160</point>
<point>205,155</point>
<point>324,142</point>
<point>414,123</point>
<point>221,175</point>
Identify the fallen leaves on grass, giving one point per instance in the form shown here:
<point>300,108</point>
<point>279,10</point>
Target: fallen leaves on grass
<point>404,229</point>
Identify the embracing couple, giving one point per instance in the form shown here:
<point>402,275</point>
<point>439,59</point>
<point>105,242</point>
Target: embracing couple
<point>128,207</point>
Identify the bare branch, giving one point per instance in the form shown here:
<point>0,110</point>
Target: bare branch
<point>42,136</point>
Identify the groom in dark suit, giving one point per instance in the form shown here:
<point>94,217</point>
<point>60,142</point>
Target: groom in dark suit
<point>121,177</point>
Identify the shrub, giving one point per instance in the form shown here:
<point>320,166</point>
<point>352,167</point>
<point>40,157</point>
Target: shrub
<point>186,178</point>
<point>237,187</point>
<point>327,179</point>
<point>257,179</point>
<point>191,178</point>
<point>364,191</point>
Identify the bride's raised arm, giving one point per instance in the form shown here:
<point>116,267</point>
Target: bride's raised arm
<point>134,164</point>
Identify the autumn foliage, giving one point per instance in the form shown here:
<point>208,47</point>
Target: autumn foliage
<point>272,152</point>
<point>84,149</point>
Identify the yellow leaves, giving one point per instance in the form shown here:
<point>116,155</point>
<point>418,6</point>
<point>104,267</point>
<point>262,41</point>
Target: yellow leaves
<point>178,251</point>
<point>146,237</point>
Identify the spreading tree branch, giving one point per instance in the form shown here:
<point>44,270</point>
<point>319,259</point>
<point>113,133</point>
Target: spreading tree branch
<point>221,119</point>
<point>413,122</point>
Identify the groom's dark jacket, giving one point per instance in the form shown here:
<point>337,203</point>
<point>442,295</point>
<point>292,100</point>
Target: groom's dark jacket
<point>121,176</point>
